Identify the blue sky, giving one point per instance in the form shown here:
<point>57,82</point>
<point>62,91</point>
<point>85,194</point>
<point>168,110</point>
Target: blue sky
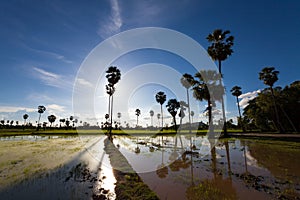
<point>43,44</point>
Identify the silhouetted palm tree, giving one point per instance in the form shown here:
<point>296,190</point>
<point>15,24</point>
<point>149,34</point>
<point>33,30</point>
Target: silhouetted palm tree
<point>181,112</point>
<point>161,98</point>
<point>25,117</point>
<point>51,119</point>
<point>187,81</point>
<point>208,88</point>
<point>151,115</point>
<point>236,91</point>
<point>172,106</point>
<point>41,110</point>
<point>137,113</point>
<point>192,115</point>
<point>113,75</point>
<point>269,76</point>
<point>219,50</point>
<point>158,118</point>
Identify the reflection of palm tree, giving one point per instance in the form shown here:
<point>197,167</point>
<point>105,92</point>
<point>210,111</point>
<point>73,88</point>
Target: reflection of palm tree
<point>161,98</point>
<point>173,106</point>
<point>137,113</point>
<point>236,91</point>
<point>219,50</point>
<point>187,81</point>
<point>162,170</point>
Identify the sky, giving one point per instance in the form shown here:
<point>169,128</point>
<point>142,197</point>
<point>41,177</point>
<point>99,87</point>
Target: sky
<point>44,45</point>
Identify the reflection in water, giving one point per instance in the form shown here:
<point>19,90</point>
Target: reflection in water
<point>200,168</point>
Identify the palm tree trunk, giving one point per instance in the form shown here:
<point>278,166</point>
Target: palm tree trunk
<point>189,109</point>
<point>137,120</point>
<point>210,124</point>
<point>174,118</point>
<point>108,104</point>
<point>279,127</point>
<point>239,109</point>
<point>111,115</point>
<point>222,101</point>
<point>162,117</point>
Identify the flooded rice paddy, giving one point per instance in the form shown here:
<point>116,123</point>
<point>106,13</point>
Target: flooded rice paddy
<point>174,167</point>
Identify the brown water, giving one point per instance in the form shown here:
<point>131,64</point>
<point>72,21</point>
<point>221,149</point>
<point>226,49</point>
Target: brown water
<point>230,169</point>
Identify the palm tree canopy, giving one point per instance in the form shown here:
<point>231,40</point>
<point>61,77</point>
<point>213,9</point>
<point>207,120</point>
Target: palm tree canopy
<point>187,80</point>
<point>41,109</point>
<point>137,112</point>
<point>119,115</point>
<point>221,45</point>
<point>160,97</point>
<point>151,113</point>
<point>192,113</point>
<point>71,118</point>
<point>113,75</point>
<point>236,91</point>
<point>51,118</point>
<point>25,116</point>
<point>269,76</point>
<point>158,115</point>
<point>172,106</point>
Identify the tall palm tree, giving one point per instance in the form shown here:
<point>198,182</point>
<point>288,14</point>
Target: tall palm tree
<point>172,106</point>
<point>25,117</point>
<point>137,113</point>
<point>187,81</point>
<point>269,76</point>
<point>158,118</point>
<point>192,115</point>
<point>219,50</point>
<point>207,87</point>
<point>181,112</point>
<point>151,115</point>
<point>51,119</point>
<point>41,110</point>
<point>113,75</point>
<point>236,91</point>
<point>161,98</point>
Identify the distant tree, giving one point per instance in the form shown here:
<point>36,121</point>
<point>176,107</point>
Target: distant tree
<point>41,110</point>
<point>172,106</point>
<point>192,115</point>
<point>181,114</point>
<point>236,91</point>
<point>11,122</point>
<point>151,115</point>
<point>51,119</point>
<point>25,117</point>
<point>219,50</point>
<point>137,113</point>
<point>187,81</point>
<point>161,98</point>
<point>269,76</point>
<point>158,118</point>
<point>71,119</point>
<point>62,121</point>
<point>2,122</point>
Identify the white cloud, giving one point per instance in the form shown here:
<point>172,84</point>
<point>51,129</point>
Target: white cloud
<point>55,108</point>
<point>7,109</point>
<point>52,79</point>
<point>84,82</point>
<point>114,22</point>
<point>245,98</point>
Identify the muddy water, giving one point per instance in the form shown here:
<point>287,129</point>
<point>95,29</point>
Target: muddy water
<point>83,177</point>
<point>190,167</point>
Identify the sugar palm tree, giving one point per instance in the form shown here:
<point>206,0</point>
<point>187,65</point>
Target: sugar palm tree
<point>158,118</point>
<point>236,91</point>
<point>41,110</point>
<point>113,75</point>
<point>219,50</point>
<point>161,98</point>
<point>269,76</point>
<point>25,117</point>
<point>192,115</point>
<point>51,119</point>
<point>207,87</point>
<point>172,106</point>
<point>137,113</point>
<point>187,81</point>
<point>151,115</point>
<point>181,114</point>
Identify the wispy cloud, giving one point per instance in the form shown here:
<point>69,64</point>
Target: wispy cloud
<point>7,109</point>
<point>114,23</point>
<point>52,79</point>
<point>55,108</point>
<point>84,82</point>
<point>245,98</point>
